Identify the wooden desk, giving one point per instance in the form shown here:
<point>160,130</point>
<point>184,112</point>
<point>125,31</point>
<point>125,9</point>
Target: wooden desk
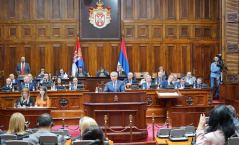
<point>166,141</point>
<point>31,114</point>
<point>118,107</point>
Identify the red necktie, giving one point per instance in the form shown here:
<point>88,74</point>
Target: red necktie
<point>22,68</point>
<point>120,74</point>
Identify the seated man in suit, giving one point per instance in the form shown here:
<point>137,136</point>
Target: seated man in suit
<point>181,84</point>
<point>42,72</point>
<point>102,73</point>
<point>114,85</point>
<point>22,67</point>
<point>189,78</point>
<point>13,80</point>
<point>159,78</point>
<point>81,73</point>
<point>62,74</point>
<point>31,80</point>
<point>45,123</point>
<point>75,84</point>
<point>175,79</point>
<point>130,79</point>
<point>198,84</point>
<point>165,83</point>
<point>46,79</point>
<point>148,83</point>
<point>120,71</point>
<point>26,84</point>
<point>8,85</point>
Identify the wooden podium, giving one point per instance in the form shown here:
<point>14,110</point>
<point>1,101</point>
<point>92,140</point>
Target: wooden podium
<point>118,107</point>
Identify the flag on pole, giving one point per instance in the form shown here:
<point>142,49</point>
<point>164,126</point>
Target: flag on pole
<point>78,59</point>
<point>123,59</point>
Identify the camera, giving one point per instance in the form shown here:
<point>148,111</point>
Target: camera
<point>221,63</point>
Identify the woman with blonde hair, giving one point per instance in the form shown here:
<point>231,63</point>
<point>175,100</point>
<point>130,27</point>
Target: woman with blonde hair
<point>42,99</point>
<point>17,126</point>
<point>145,74</point>
<point>87,122</point>
<point>25,99</point>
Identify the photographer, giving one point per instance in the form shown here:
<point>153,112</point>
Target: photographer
<point>215,75</point>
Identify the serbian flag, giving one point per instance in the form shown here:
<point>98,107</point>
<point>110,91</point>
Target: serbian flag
<point>123,59</point>
<point>78,59</point>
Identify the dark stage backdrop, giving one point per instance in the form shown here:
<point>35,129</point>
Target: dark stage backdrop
<point>110,32</point>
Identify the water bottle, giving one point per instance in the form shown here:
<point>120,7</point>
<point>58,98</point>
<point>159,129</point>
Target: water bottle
<point>176,86</point>
<point>69,87</point>
<point>143,87</point>
<point>13,89</point>
<point>33,88</point>
<point>96,89</point>
<point>51,88</point>
<point>54,87</point>
<point>194,86</point>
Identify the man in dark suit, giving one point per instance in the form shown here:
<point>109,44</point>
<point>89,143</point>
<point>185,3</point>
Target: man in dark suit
<point>31,80</point>
<point>8,85</point>
<point>22,67</point>
<point>148,83</point>
<point>46,79</point>
<point>75,84</point>
<point>159,78</point>
<point>181,84</point>
<point>114,85</point>
<point>81,73</point>
<point>62,74</point>
<point>120,71</point>
<point>130,79</point>
<point>165,83</point>
<point>13,80</point>
<point>199,83</point>
<point>45,123</point>
<point>26,84</point>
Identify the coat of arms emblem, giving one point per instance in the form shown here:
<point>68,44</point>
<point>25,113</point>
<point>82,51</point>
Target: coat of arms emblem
<point>99,17</point>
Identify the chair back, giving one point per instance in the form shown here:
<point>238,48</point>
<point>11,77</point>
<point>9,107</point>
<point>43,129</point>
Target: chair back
<point>34,130</point>
<point>233,141</point>
<point>6,89</point>
<point>61,88</point>
<point>59,132</point>
<point>65,131</point>
<point>82,142</point>
<point>46,84</point>
<point>8,136</point>
<point>48,140</point>
<point>17,142</point>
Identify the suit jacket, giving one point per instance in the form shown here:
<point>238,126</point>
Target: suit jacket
<point>146,86</point>
<point>6,88</point>
<point>59,75</point>
<point>84,74</point>
<point>119,87</point>
<point>34,138</point>
<point>159,81</point>
<point>27,69</point>
<point>197,86</point>
<point>23,85</point>
<point>126,80</point>
<point>190,80</point>
<point>73,88</point>
<point>98,74</point>
<point>178,84</point>
<point>25,103</point>
<point>50,82</point>
<point>33,82</point>
<point>164,84</point>
<point>123,74</point>
<point>16,81</point>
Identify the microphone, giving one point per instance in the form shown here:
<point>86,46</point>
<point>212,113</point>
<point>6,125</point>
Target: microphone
<point>95,142</point>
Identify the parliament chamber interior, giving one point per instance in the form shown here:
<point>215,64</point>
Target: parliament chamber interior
<point>119,72</point>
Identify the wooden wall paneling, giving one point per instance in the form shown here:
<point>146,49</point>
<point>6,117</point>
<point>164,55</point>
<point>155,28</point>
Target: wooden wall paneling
<point>52,58</point>
<point>26,7</point>
<point>170,7</point>
<point>128,9</point>
<point>1,33</point>
<point>41,9</point>
<point>156,32</point>
<point>143,9</point>
<point>2,61</point>
<point>129,31</point>
<point>100,58</point>
<point>150,59</point>
<point>142,31</point>
<point>184,9</point>
<point>143,57</point>
<point>197,60</point>
<point>157,9</point>
<point>171,57</point>
<point>184,31</point>
<point>206,9</point>
<point>1,10</point>
<point>57,32</point>
<point>12,9</point>
<point>185,56</point>
<point>71,51</point>
<point>198,4</point>
<point>159,56</point>
<point>12,32</point>
<point>171,31</point>
<point>130,55</point>
<point>113,51</point>
<point>42,32</point>
<point>56,9</point>
<point>70,31</point>
<point>70,9</point>
<point>12,57</point>
<point>36,59</point>
<point>27,32</point>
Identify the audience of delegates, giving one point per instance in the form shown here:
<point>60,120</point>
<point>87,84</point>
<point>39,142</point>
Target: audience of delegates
<point>42,72</point>
<point>81,73</point>
<point>129,79</point>
<point>45,123</point>
<point>189,78</point>
<point>94,132</point>
<point>26,84</point>
<point>31,80</point>
<point>215,76</point>
<point>17,126</point>
<point>120,71</point>
<point>102,72</point>
<point>42,99</point>
<point>165,83</point>
<point>148,83</point>
<point>62,74</point>
<point>181,84</point>
<point>159,78</point>
<point>161,69</point>
<point>8,85</point>
<point>75,84</point>
<point>144,79</point>
<point>198,84</point>
<point>23,67</point>
<point>220,127</point>
<point>233,111</point>
<point>114,85</point>
<point>13,80</point>
<point>25,98</point>
<point>46,80</point>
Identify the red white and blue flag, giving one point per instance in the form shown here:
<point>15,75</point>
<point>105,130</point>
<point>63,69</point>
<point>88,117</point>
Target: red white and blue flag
<point>123,59</point>
<point>78,59</point>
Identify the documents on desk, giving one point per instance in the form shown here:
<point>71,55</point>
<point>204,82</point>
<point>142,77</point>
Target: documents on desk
<point>169,94</point>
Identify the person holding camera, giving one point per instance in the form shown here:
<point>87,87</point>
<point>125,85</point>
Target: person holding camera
<point>215,76</point>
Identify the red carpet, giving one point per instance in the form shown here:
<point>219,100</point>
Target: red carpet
<point>73,131</point>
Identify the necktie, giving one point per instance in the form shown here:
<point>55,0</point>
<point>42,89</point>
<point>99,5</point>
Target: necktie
<point>114,86</point>
<point>22,68</point>
<point>26,85</point>
<point>120,74</point>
